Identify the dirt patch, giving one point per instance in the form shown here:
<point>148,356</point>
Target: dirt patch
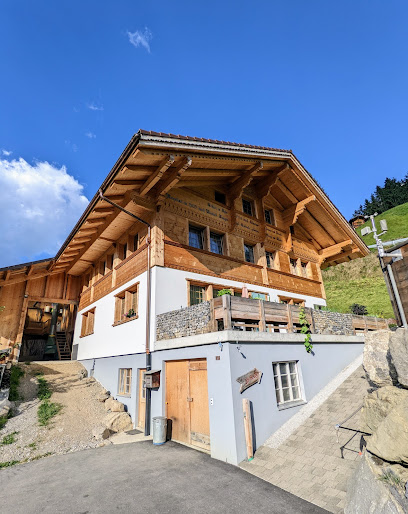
<point>70,430</point>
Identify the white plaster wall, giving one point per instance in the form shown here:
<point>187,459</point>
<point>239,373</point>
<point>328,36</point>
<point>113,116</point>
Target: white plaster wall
<point>172,289</point>
<point>108,340</point>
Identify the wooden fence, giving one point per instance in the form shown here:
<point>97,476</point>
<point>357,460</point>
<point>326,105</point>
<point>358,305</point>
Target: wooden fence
<point>236,313</point>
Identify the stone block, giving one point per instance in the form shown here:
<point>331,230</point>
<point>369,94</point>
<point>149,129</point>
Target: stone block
<point>377,359</point>
<point>399,354</point>
<point>378,404</point>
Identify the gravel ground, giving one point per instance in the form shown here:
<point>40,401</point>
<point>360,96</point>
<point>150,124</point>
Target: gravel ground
<point>69,431</point>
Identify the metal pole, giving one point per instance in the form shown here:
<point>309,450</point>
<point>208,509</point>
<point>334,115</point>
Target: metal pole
<point>148,302</point>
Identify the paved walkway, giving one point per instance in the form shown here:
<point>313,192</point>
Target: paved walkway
<point>311,463</point>
<point>141,478</point>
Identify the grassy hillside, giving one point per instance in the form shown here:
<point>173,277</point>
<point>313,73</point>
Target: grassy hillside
<point>397,219</point>
<point>358,281</point>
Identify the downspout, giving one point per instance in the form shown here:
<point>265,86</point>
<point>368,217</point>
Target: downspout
<point>148,300</point>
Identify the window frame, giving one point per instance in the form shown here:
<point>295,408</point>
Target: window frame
<point>201,233</point>
<point>252,248</point>
<point>190,289</point>
<point>292,401</point>
<point>125,381</point>
<point>88,322</point>
<point>271,215</point>
<point>221,239</point>
<point>126,300</point>
<point>272,257</point>
<point>251,206</point>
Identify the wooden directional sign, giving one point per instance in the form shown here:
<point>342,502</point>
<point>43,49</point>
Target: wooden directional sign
<point>252,377</point>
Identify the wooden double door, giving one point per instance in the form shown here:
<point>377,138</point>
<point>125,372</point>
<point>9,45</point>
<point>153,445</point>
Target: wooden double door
<point>187,402</point>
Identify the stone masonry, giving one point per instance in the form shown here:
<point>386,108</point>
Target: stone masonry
<point>184,322</point>
<point>334,323</point>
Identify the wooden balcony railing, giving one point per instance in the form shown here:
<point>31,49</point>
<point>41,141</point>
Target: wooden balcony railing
<point>236,313</point>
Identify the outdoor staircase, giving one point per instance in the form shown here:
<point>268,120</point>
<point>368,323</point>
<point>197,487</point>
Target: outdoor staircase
<point>64,350</point>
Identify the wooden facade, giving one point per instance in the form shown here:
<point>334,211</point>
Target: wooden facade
<point>274,225</point>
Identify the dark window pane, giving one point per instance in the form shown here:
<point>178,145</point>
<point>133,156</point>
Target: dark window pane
<point>219,197</point>
<point>216,243</point>
<point>270,257</point>
<point>247,207</point>
<point>195,237</point>
<point>249,253</point>
<point>125,250</point>
<point>268,218</point>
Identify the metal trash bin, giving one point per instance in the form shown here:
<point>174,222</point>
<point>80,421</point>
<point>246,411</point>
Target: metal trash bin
<point>159,430</point>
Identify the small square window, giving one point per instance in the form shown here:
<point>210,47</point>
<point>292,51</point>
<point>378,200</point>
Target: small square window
<point>286,377</point>
<point>216,243</point>
<point>196,237</point>
<point>269,217</point>
<point>270,260</point>
<point>249,253</point>
<point>247,207</point>
<point>219,197</point>
<point>303,267</point>
<point>293,266</point>
<point>88,321</point>
<point>197,294</point>
<point>126,305</point>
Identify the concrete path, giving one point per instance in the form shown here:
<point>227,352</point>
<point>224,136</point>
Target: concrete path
<point>311,463</point>
<point>141,478</point>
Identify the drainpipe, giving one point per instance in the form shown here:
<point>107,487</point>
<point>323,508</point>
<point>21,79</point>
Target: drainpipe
<point>148,299</point>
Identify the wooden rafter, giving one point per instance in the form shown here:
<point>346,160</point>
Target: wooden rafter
<point>143,201</point>
<point>174,177</point>
<point>263,188</point>
<point>341,255</point>
<point>127,182</point>
<point>103,210</point>
<point>334,249</point>
<point>23,277</point>
<point>291,215</point>
<point>243,181</point>
<point>29,271</point>
<point>157,175</point>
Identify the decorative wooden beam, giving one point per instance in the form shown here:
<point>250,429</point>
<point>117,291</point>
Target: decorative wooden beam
<point>341,255</point>
<point>286,191</point>
<point>334,249</point>
<point>6,275</point>
<point>171,181</point>
<point>114,197</point>
<point>128,182</point>
<point>291,214</point>
<point>94,222</point>
<point>107,239</point>
<point>103,210</point>
<point>29,270</point>
<point>23,278</point>
<point>157,175</point>
<point>143,201</point>
<point>83,239</point>
<point>263,188</point>
<point>242,182</point>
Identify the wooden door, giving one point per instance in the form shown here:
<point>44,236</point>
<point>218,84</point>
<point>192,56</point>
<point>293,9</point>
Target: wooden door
<point>142,399</point>
<point>187,402</point>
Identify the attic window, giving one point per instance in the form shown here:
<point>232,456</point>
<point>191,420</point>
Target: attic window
<point>219,197</point>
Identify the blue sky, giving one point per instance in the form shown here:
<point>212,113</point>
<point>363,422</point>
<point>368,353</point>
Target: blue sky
<point>327,79</point>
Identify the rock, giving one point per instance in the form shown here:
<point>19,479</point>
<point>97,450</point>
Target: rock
<point>367,494</point>
<point>399,354</point>
<point>377,359</point>
<point>103,397</point>
<point>83,374</point>
<point>390,440</point>
<point>377,406</point>
<point>114,405</point>
<point>101,432</point>
<point>118,421</point>
<point>5,406</point>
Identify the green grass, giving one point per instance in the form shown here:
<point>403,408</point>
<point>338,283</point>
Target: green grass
<point>8,463</point>
<point>44,391</point>
<point>358,281</point>
<point>15,376</point>
<point>46,411</point>
<point>397,219</point>
<point>9,439</point>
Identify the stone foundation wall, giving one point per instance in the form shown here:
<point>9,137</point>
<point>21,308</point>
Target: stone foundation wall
<point>334,323</point>
<point>184,322</point>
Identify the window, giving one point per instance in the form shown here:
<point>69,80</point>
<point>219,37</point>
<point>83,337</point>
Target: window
<point>126,305</point>
<point>125,249</point>
<point>286,382</point>
<point>197,294</point>
<point>270,260</point>
<point>249,253</point>
<point>88,319</point>
<point>216,243</point>
<point>196,237</point>
<point>269,217</point>
<point>219,197</point>
<point>135,242</point>
<point>259,296</point>
<point>303,268</point>
<point>125,381</point>
<point>247,207</point>
<point>293,266</point>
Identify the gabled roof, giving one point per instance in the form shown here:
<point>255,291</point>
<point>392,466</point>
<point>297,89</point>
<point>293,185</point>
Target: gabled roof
<point>154,162</point>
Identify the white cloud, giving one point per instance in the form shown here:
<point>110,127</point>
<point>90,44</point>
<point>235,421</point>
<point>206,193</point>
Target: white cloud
<point>94,106</point>
<point>7,153</point>
<point>39,205</point>
<point>91,135</point>
<point>140,38</point>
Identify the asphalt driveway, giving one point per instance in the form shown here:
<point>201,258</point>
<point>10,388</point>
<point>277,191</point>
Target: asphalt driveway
<point>140,478</point>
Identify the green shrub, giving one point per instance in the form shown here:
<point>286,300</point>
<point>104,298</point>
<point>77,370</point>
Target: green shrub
<point>8,463</point>
<point>15,376</point>
<point>9,439</point>
<point>44,391</point>
<point>46,411</point>
<point>222,292</point>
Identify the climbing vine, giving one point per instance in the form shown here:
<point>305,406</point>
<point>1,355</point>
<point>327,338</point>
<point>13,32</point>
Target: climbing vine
<point>305,329</point>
